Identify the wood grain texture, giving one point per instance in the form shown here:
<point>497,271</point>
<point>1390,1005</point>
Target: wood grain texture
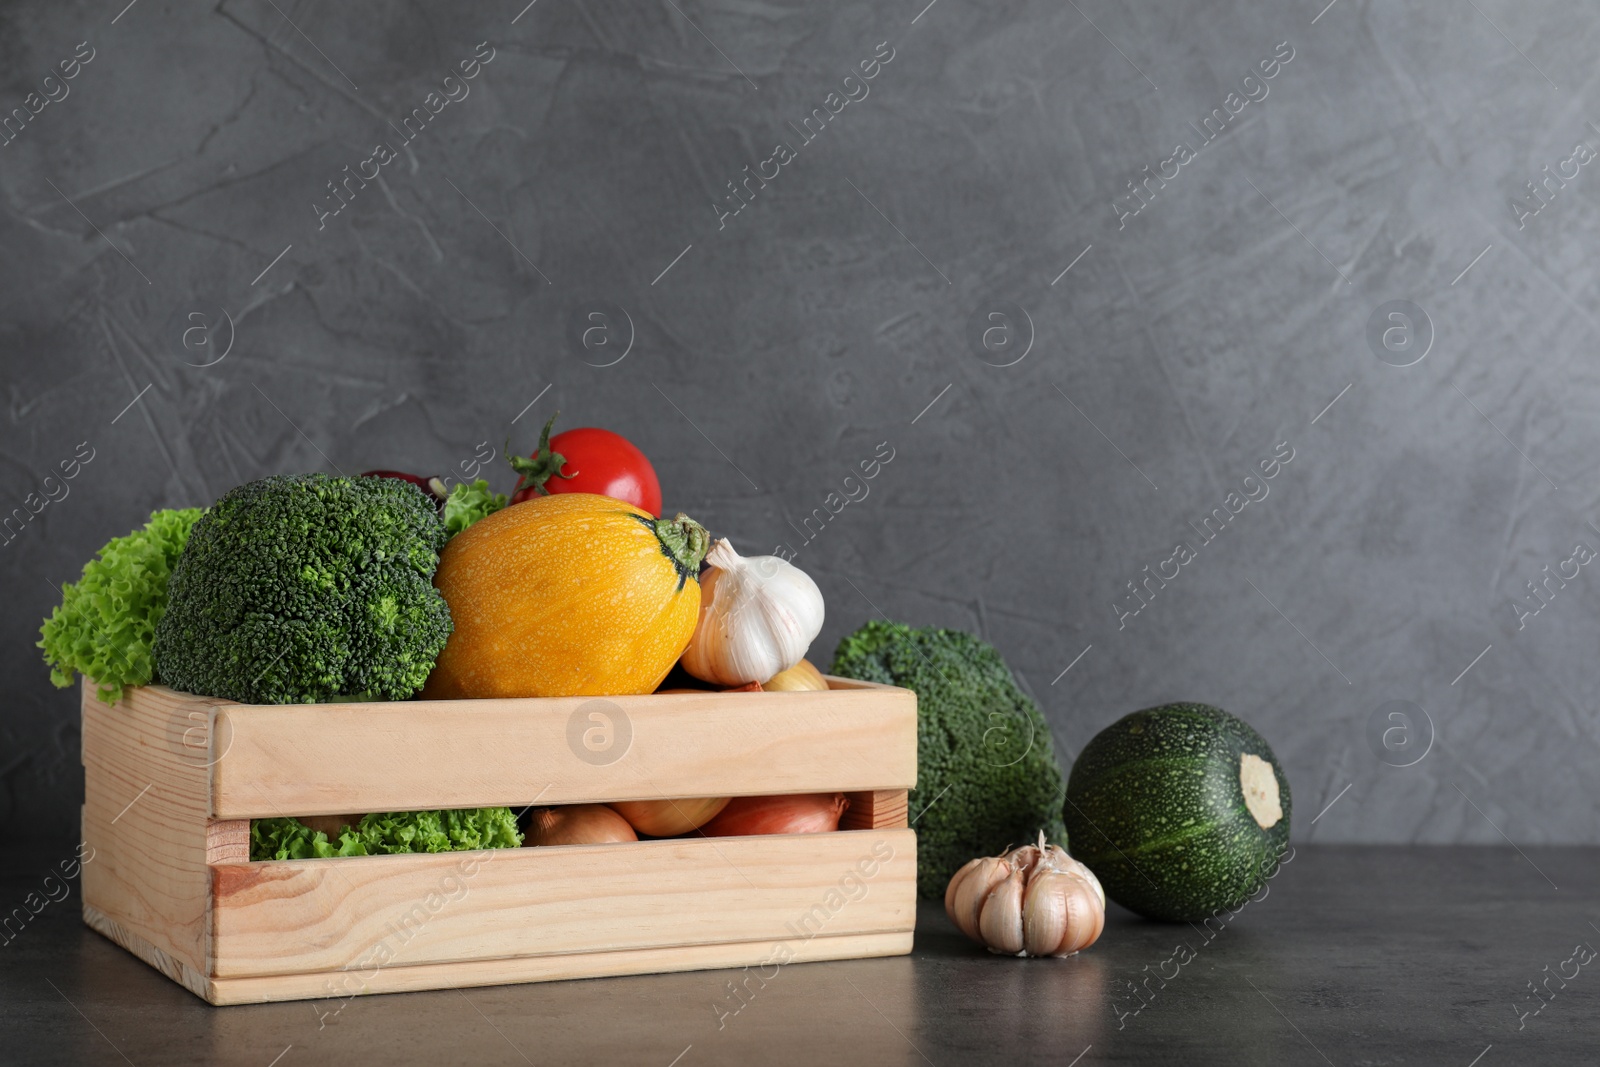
<point>160,959</point>
<point>400,979</point>
<point>227,841</point>
<point>144,816</point>
<point>315,760</point>
<point>875,809</point>
<point>298,916</point>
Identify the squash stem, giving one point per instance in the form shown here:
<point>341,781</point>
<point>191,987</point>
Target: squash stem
<point>684,541</point>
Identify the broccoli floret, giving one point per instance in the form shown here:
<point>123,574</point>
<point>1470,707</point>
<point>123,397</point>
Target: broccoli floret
<point>987,776</point>
<point>307,588</point>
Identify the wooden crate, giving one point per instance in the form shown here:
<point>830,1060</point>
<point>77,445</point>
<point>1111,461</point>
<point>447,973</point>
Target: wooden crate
<point>172,781</point>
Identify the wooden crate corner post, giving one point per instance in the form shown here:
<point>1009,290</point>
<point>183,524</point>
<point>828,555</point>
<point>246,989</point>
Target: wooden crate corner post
<point>148,838</point>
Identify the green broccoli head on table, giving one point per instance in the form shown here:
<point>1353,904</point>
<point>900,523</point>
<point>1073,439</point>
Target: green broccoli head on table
<point>987,775</point>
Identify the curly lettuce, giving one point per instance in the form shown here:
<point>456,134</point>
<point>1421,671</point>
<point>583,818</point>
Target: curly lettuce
<point>385,833</point>
<point>106,622</point>
<point>468,502</point>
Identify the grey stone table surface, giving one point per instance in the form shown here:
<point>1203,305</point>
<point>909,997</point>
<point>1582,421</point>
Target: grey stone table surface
<point>1359,955</point>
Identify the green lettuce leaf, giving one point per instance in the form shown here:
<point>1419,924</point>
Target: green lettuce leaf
<point>105,624</point>
<point>291,839</point>
<point>383,833</point>
<point>468,502</point>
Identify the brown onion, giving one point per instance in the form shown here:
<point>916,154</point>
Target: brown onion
<point>578,824</point>
<point>809,813</point>
<point>332,825</point>
<point>669,818</point>
<point>802,677</point>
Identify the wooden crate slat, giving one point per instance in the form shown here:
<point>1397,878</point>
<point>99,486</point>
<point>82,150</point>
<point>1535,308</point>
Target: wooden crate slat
<point>300,916</point>
<point>321,759</point>
<point>757,955</point>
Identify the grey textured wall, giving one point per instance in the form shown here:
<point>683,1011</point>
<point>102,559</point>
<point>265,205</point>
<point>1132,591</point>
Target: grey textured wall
<point>1041,460</point>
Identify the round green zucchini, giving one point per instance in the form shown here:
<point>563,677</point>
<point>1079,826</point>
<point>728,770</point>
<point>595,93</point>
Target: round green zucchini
<point>1181,811</point>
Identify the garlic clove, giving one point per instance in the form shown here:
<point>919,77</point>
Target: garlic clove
<point>969,896</point>
<point>1055,858</point>
<point>1085,915</point>
<point>1068,865</point>
<point>1000,921</point>
<point>1024,860</point>
<point>955,881</point>
<point>1044,914</point>
<point>1094,883</point>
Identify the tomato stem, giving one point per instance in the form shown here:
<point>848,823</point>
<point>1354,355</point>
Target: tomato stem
<point>542,466</point>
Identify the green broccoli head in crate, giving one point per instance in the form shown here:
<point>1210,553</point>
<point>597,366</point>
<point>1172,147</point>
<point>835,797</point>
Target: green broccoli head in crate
<point>307,588</point>
<point>987,776</point>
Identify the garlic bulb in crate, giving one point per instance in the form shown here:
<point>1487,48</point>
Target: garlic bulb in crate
<point>758,616</point>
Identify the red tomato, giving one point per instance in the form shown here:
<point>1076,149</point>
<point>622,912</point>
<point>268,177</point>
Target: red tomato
<point>588,460</point>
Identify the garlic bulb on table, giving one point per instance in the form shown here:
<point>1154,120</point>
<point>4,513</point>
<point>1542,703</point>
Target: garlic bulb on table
<point>1033,901</point>
<point>758,615</point>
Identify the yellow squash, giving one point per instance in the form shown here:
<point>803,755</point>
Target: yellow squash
<point>567,595</point>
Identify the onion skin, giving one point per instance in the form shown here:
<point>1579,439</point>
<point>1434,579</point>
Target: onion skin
<point>809,813</point>
<point>749,687</point>
<point>803,677</point>
<point>578,824</point>
<point>669,818</point>
<point>332,824</point>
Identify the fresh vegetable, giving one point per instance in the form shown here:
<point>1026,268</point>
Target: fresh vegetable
<point>1033,901</point>
<point>578,824</point>
<point>380,833</point>
<point>467,503</point>
<point>987,775</point>
<point>291,839</point>
<point>802,677</point>
<point>669,818</point>
<point>757,618</point>
<point>811,813</point>
<point>304,589</point>
<point>425,484</point>
<point>567,595</point>
<point>460,506</point>
<point>106,621</point>
<point>332,825</point>
<point>1182,810</point>
<point>588,460</point>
